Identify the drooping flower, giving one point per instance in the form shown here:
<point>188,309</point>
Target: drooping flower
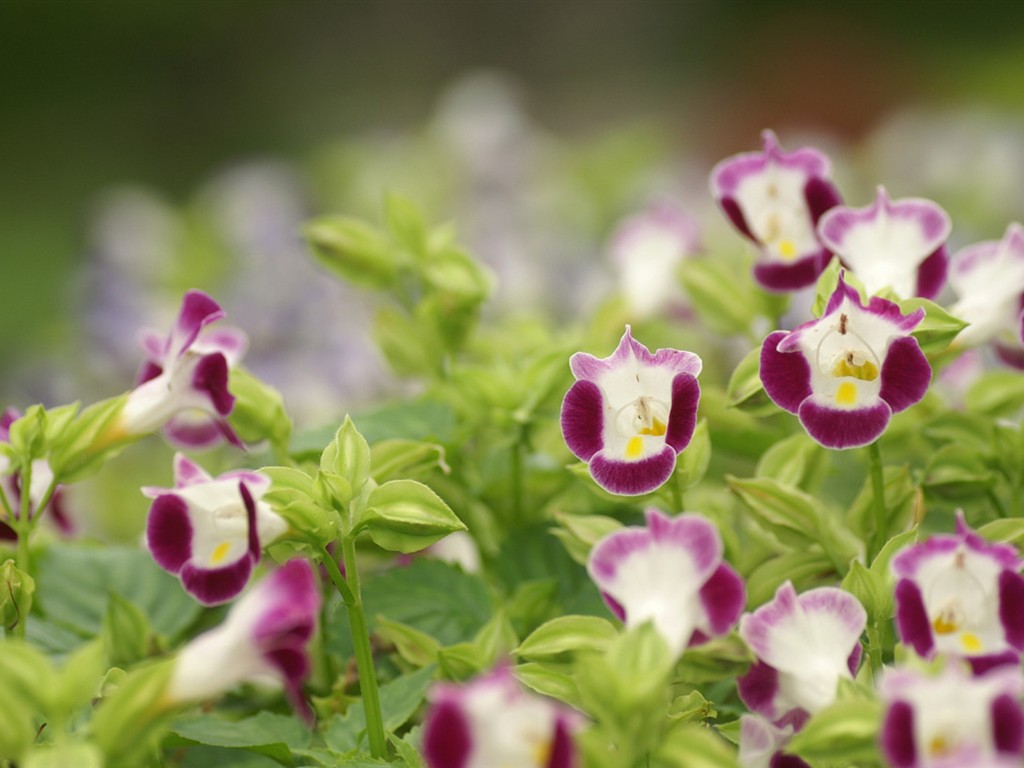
<point>184,383</point>
<point>492,721</point>
<point>953,719</point>
<point>804,645</point>
<point>630,414</point>
<point>959,594</point>
<point>762,744</point>
<point>670,573</point>
<point>845,374</point>
<point>210,531</point>
<point>646,249</point>
<point>264,639</point>
<point>988,279</point>
<point>775,199</point>
<point>899,244</point>
<point>42,476</point>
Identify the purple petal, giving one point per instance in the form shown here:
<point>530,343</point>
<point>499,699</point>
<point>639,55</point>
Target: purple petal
<point>633,478</point>
<point>9,416</point>
<point>193,430</point>
<point>187,472</point>
<point>583,419</point>
<point>905,374</point>
<point>292,663</point>
<point>735,214</point>
<point>147,372</point>
<point>844,427</point>
<point>447,738</point>
<point>1008,725</point>
<point>897,736</point>
<point>821,196</point>
<point>855,657</point>
<point>912,619</point>
<point>982,665</point>
<point>59,512</point>
<point>213,586</point>
<point>1011,607</point>
<point>682,417</point>
<point>562,751</point>
<point>723,597</point>
<point>786,376</point>
<point>931,275</point>
<point>909,560</point>
<point>782,760</point>
<point>250,519</point>
<point>783,277</point>
<point>758,689</point>
<point>7,533</point>
<point>169,532</point>
<point>211,377</point>
<point>883,308</point>
<point>694,534</point>
<point>197,310</point>
<point>1013,356</point>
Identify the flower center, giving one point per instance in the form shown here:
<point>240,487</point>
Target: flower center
<point>956,591</point>
<point>853,361</point>
<point>644,416</point>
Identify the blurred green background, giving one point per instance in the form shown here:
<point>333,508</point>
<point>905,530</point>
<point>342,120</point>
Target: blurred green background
<point>166,93</point>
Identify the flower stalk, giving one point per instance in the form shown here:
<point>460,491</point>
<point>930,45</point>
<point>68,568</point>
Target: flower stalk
<point>878,538</point>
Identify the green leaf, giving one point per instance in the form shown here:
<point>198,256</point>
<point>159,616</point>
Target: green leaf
<point>998,394</point>
<point>552,680</point>
<point>693,462</point>
<point>494,641</point>
<point>791,461</point>
<point>399,700</point>
<point>265,733</point>
<point>745,390</point>
<point>721,658</point>
<point>356,251</point>
<point>903,502</point>
<point>1010,531</point>
<point>401,458</point>
<point>712,289</point>
<point>871,589</point>
<point>694,747</point>
<point>568,634</point>
<point>125,632</point>
<point>416,647</point>
<point>455,273</point>
<point>406,516</point>
<point>579,533</point>
<point>63,756</point>
<point>846,732</point>
<point>406,223</point>
<point>806,568</point>
<point>957,474</point>
<point>411,347</point>
<point>937,329</point>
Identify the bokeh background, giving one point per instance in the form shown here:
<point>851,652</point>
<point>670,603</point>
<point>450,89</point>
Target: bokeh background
<point>145,145</point>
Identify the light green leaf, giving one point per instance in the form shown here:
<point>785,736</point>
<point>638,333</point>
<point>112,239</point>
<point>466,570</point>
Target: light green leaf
<point>568,634</point>
<point>406,516</point>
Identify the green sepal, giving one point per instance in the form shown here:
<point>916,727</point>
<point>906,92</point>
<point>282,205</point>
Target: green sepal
<point>745,390</point>
<point>998,394</point>
<point>353,249</point>
<point>568,634</point>
<point>259,413</point>
<point>294,496</point>
<point>937,329</point>
<point>400,458</point>
<point>406,516</point>
<point>845,732</point>
<point>89,440</point>
<point>579,533</point>
<point>27,680</point>
<point>347,455</point>
<point>16,591</point>
<point>126,632</point>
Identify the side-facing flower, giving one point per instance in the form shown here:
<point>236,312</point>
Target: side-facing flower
<point>845,374</point>
<point>184,382</point>
<point>264,639</point>
<point>775,199</point>
<point>670,573</point>
<point>762,744</point>
<point>210,531</point>
<point>961,595</point>
<point>492,721</point>
<point>988,279</point>
<point>804,645</point>
<point>646,249</point>
<point>953,719</point>
<point>899,244</point>
<point>630,414</point>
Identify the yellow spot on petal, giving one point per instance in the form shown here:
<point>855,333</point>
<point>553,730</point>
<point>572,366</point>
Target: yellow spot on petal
<point>634,448</point>
<point>542,753</point>
<point>866,371</point>
<point>938,746</point>
<point>657,429</point>
<point>787,249</point>
<point>847,393</point>
<point>971,642</point>
<point>220,552</point>
<point>943,625</point>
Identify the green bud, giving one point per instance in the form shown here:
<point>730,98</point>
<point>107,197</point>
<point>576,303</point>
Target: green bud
<point>356,251</point>
<point>406,516</point>
<point>126,632</point>
<point>28,434</point>
<point>89,440</point>
<point>294,496</point>
<point>348,457</point>
<point>16,590</point>
<point>259,412</point>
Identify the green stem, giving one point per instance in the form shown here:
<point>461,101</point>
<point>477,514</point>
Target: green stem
<point>874,650</point>
<point>677,493</point>
<point>878,499</point>
<point>364,653</point>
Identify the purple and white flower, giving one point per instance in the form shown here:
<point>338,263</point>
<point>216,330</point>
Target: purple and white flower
<point>953,719</point>
<point>210,531</point>
<point>264,639</point>
<point>762,744</point>
<point>959,594</point>
<point>492,721</point>
<point>847,373</point>
<point>804,646</point>
<point>646,250</point>
<point>670,573</point>
<point>988,279</point>
<point>775,199</point>
<point>183,384</point>
<point>899,244</point>
<point>630,414</point>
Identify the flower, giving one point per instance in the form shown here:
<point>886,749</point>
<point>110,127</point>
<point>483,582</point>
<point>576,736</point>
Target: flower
<point>493,722</point>
<point>184,381</point>
<point>897,244</point>
<point>631,413</point>
<point>846,373</point>
<point>762,744</point>
<point>804,646</point>
<point>210,531</point>
<point>263,640</point>
<point>670,573</point>
<point>775,199</point>
<point>961,595</point>
<point>646,249</point>
<point>952,719</point>
<point>988,279</point>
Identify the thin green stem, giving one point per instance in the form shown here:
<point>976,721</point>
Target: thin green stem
<point>364,654</point>
<point>878,501</point>
<point>874,650</point>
